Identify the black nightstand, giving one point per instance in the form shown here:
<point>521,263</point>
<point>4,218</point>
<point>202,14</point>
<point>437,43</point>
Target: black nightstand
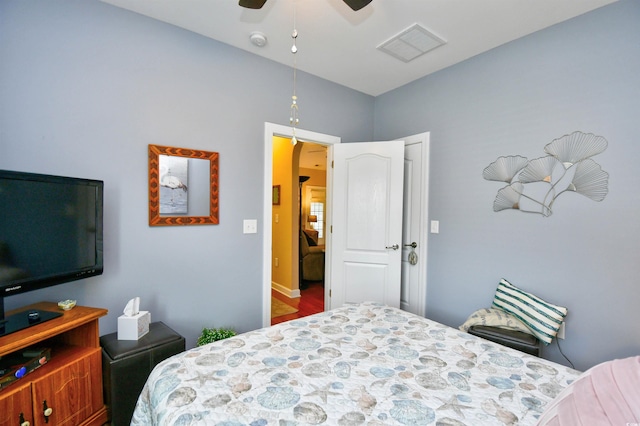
<point>523,342</point>
<point>126,364</point>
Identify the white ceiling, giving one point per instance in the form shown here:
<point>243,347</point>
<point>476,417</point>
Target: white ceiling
<point>338,44</point>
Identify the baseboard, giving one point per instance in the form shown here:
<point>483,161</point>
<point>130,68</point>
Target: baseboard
<point>286,291</point>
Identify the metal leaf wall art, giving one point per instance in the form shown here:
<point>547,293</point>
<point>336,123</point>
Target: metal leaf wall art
<point>534,185</point>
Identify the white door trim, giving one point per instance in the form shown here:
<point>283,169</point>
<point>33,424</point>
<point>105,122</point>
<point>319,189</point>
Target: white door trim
<point>271,130</point>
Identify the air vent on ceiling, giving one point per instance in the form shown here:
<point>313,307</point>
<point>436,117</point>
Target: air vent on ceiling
<point>411,43</point>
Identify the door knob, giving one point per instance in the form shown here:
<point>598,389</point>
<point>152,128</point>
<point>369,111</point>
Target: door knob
<point>413,257</point>
<point>393,247</point>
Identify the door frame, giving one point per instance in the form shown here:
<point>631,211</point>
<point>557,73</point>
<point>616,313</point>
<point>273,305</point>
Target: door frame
<point>424,139</point>
<point>271,130</point>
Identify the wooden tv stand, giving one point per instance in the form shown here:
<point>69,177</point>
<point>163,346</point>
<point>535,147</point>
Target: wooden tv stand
<point>69,384</point>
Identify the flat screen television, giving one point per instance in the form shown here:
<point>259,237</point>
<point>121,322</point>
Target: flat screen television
<point>50,233</point>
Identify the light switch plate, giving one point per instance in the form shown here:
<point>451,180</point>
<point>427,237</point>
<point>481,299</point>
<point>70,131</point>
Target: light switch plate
<point>435,226</point>
<point>250,226</point>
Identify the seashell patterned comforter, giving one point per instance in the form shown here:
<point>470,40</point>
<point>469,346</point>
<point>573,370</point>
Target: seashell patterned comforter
<point>364,364</point>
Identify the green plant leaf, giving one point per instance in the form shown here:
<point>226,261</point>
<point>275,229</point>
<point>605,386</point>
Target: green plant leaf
<point>214,334</point>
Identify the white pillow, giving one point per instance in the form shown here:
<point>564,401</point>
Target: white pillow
<point>493,317</point>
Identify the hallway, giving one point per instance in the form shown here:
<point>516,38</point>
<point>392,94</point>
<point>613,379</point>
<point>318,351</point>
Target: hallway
<point>310,302</point>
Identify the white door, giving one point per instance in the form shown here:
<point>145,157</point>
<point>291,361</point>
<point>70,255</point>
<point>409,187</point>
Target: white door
<point>415,224</point>
<point>366,223</point>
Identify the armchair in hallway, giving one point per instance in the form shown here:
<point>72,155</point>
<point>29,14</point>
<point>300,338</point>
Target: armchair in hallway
<point>312,257</point>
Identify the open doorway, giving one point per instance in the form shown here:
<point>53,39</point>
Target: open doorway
<point>274,224</point>
<point>298,229</point>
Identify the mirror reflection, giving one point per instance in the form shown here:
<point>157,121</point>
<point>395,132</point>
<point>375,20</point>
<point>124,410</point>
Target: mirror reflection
<point>174,178</point>
<point>183,186</point>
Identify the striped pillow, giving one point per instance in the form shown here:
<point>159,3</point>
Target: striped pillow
<point>542,318</point>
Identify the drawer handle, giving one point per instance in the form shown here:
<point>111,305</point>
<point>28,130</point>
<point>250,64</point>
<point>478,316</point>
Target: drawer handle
<point>23,422</point>
<point>47,411</point>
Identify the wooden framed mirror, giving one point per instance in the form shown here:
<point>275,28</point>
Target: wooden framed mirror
<point>183,186</point>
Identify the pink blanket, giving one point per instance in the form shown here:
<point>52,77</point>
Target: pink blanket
<point>607,394</point>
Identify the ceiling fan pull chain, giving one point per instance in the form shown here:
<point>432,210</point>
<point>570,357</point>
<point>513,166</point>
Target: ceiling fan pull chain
<point>293,118</point>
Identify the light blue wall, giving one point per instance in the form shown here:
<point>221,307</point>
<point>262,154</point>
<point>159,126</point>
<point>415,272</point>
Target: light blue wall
<point>85,87</point>
<point>583,74</point>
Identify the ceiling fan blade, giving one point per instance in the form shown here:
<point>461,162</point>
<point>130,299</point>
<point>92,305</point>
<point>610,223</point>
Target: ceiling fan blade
<point>252,4</point>
<point>357,4</point>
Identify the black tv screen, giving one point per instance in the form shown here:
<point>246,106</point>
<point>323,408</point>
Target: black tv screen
<point>50,230</point>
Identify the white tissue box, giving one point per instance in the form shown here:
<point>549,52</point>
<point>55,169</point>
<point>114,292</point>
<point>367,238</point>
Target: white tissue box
<point>134,327</point>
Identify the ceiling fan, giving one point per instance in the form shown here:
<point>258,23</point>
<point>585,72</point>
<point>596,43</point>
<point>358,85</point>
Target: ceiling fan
<point>257,4</point>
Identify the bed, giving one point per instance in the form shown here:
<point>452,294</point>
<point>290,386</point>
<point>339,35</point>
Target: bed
<point>361,364</point>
